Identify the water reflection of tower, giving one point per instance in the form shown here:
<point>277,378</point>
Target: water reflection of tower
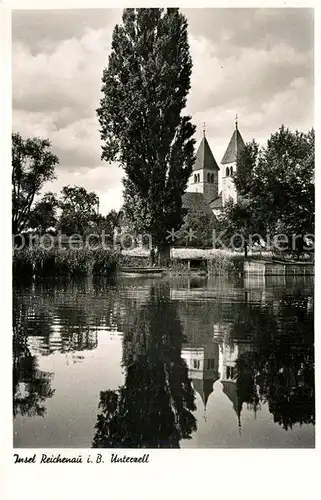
<point>202,363</point>
<point>229,353</point>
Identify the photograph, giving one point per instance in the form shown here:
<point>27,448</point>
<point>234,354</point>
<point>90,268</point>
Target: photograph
<point>163,228</point>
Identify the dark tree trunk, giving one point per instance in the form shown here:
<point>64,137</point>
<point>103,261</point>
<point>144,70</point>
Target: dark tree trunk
<point>245,250</point>
<point>164,255</point>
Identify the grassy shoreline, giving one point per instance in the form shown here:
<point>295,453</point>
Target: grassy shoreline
<point>36,262</point>
<point>54,262</point>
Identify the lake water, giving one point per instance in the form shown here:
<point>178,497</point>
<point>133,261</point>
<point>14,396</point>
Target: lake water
<point>186,362</point>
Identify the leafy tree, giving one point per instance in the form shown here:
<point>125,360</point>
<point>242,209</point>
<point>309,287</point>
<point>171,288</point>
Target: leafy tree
<point>135,209</point>
<point>78,210</point>
<point>114,219</point>
<point>142,127</point>
<point>33,164</point>
<point>107,225</point>
<point>44,215</point>
<point>197,229</point>
<point>246,161</point>
<point>278,183</point>
<point>240,225</point>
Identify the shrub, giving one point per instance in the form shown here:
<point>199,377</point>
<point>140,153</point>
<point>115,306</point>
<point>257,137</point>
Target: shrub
<point>105,262</point>
<point>224,264</point>
<point>135,261</point>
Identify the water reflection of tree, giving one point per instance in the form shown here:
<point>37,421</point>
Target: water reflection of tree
<point>31,386</point>
<point>63,316</point>
<point>153,407</point>
<point>279,370</point>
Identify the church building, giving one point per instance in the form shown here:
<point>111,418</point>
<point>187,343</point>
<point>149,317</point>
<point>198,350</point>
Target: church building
<point>206,173</point>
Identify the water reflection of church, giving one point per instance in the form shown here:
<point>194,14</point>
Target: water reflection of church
<point>202,364</point>
<point>215,362</point>
<point>229,354</point>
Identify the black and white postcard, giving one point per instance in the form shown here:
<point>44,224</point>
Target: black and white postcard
<point>163,245</point>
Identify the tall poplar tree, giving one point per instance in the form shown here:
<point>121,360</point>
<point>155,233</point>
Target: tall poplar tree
<point>145,88</point>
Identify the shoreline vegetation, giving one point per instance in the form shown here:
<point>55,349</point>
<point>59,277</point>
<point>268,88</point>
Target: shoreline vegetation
<point>40,262</point>
<point>192,260</point>
<point>56,262</point>
<point>36,262</point>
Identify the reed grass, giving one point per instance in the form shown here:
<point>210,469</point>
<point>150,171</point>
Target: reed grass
<point>56,262</point>
<point>225,263</point>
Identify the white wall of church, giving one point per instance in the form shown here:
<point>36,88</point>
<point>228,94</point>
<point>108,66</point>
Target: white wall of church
<point>194,359</point>
<point>228,190</point>
<point>204,181</point>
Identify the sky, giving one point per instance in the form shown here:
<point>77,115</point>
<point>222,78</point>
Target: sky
<point>257,63</point>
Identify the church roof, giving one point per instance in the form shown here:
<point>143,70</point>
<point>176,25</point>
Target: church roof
<point>204,387</point>
<point>196,202</point>
<point>236,144</point>
<point>204,157</point>
<point>217,202</point>
<point>230,390</point>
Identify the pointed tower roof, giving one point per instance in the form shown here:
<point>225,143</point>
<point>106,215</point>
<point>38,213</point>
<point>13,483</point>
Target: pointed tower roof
<point>204,387</point>
<point>229,389</point>
<point>204,156</point>
<point>236,144</point>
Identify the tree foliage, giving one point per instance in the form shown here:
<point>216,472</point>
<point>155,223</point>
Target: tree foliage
<point>240,225</point>
<point>78,210</point>
<point>276,186</point>
<point>44,213</point>
<point>135,209</point>
<point>197,229</point>
<point>142,127</point>
<point>33,164</point>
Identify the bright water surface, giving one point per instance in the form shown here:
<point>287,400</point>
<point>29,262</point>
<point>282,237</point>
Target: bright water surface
<point>188,362</point>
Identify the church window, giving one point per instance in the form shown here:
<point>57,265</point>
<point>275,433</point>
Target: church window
<point>208,177</point>
<point>227,173</point>
<point>230,372</point>
<point>231,170</point>
<point>195,178</point>
<point>210,364</point>
<point>212,178</point>
<point>196,364</point>
<point>198,178</point>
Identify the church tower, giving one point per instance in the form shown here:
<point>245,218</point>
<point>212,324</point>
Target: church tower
<point>204,178</point>
<point>202,363</point>
<point>228,163</point>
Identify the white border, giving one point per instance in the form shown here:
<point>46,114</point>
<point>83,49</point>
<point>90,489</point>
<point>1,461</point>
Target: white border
<point>186,474</point>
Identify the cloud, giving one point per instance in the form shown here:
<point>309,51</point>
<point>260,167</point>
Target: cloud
<point>254,62</point>
<point>42,30</point>
<point>67,77</point>
<point>250,77</point>
<point>105,180</point>
<point>249,27</point>
<point>56,95</point>
<point>76,144</point>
